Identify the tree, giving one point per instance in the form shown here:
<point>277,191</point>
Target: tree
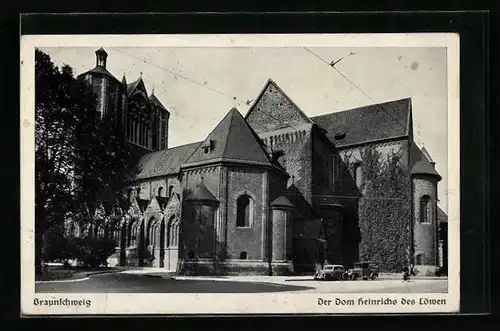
<point>82,161</point>
<point>61,106</point>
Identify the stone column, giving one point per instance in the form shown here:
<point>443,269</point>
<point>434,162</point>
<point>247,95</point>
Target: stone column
<point>222,215</point>
<point>265,218</point>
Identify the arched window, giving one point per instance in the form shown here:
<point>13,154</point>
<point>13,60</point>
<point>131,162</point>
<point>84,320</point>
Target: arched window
<point>419,259</point>
<point>100,231</point>
<point>243,255</point>
<point>425,209</point>
<point>244,212</point>
<point>160,191</point>
<point>170,191</point>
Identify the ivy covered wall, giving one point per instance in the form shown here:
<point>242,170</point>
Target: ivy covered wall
<point>382,177</point>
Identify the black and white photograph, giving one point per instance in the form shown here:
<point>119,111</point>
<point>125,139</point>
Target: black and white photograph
<point>240,174</point>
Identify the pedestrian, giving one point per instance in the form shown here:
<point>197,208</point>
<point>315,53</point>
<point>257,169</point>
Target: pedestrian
<point>406,273</point>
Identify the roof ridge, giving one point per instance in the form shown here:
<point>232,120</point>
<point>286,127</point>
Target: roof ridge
<point>258,140</point>
<point>360,107</point>
<point>229,127</point>
<point>256,137</point>
<point>269,82</point>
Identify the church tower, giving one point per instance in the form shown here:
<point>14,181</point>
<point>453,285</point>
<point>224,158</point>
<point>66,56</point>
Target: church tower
<point>106,87</point>
<point>425,178</point>
<point>160,125</point>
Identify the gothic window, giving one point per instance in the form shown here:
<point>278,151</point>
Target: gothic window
<point>172,232</point>
<point>100,231</point>
<point>425,209</point>
<point>244,211</point>
<point>160,191</point>
<point>150,236</point>
<point>419,259</point>
<point>170,191</point>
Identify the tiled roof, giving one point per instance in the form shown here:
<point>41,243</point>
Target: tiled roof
<point>165,162</point>
<point>200,193</point>
<point>441,215</point>
<point>368,123</point>
<point>101,71</point>
<point>419,162</point>
<point>231,140</point>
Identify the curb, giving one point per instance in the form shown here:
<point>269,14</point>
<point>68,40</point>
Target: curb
<point>85,276</point>
<point>71,280</point>
<point>159,276</point>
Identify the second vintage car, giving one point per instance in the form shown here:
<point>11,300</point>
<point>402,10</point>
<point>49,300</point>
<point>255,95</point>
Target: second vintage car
<point>330,272</point>
<point>364,270</point>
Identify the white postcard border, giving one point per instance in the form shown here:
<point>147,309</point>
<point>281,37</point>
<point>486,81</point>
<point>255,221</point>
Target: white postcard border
<point>258,303</point>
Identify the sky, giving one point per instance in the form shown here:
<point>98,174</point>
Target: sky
<point>198,85</point>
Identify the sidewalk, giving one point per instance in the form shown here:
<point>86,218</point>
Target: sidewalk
<point>170,274</point>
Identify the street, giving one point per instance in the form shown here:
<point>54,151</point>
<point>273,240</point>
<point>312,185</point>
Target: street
<point>136,283</point>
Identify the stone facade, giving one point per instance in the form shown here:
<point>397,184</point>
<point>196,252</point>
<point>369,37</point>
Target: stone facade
<point>276,192</point>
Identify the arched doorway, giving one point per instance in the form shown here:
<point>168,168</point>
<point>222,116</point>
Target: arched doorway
<point>172,245</point>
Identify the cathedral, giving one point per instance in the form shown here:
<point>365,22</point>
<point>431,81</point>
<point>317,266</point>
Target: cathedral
<point>274,192</point>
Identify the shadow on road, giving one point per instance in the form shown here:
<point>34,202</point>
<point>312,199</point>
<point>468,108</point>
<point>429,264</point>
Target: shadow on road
<point>121,283</point>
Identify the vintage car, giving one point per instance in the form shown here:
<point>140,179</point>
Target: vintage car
<point>364,270</point>
<point>330,272</point>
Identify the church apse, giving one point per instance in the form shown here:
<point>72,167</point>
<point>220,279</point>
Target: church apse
<point>197,245</point>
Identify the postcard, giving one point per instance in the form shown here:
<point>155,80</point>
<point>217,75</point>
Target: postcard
<point>240,174</point>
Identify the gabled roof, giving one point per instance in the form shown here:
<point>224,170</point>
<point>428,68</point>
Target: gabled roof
<point>232,140</point>
<point>133,86</point>
<point>143,204</point>
<point>365,124</point>
<point>164,162</point>
<point>272,83</point>
<point>420,163</point>
<point>273,109</point>
<point>154,100</point>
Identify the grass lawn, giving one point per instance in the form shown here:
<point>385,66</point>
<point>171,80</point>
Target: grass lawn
<point>61,272</point>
